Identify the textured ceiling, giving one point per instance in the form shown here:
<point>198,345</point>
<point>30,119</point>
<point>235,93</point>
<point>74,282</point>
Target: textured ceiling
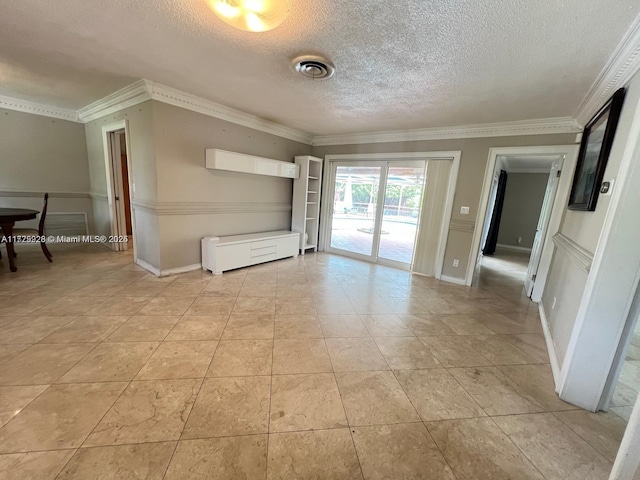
<point>400,64</point>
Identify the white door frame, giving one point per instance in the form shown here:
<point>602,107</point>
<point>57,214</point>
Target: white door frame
<point>570,153</point>
<point>114,188</point>
<point>327,203</point>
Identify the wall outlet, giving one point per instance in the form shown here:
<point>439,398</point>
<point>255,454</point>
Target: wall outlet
<point>553,305</point>
<point>464,210</point>
<point>456,262</point>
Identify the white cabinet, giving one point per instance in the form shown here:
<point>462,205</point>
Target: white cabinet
<point>227,253</point>
<point>305,213</point>
<point>217,159</point>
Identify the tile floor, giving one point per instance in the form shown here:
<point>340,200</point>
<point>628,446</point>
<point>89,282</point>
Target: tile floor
<point>315,367</point>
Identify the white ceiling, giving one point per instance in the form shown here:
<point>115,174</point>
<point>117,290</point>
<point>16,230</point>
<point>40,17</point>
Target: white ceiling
<point>401,64</point>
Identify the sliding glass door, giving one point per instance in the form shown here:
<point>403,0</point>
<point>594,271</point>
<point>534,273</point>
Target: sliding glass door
<point>372,226</point>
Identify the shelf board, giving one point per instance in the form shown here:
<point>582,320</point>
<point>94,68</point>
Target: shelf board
<point>313,178</point>
<point>312,203</point>
<point>311,191</point>
<point>310,218</point>
<point>307,247</point>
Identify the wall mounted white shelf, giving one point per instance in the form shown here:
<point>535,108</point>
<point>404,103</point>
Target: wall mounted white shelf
<point>217,159</point>
<point>306,201</point>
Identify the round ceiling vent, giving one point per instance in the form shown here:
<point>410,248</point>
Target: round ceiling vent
<point>313,66</point>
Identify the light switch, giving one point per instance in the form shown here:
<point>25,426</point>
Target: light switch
<point>464,210</point>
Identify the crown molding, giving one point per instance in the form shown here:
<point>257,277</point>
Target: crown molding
<point>178,98</point>
<point>504,129</point>
<point>126,97</point>
<point>623,64</point>
<point>34,108</point>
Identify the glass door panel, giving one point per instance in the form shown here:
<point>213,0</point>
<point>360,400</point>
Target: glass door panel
<point>401,213</point>
<point>354,208</point>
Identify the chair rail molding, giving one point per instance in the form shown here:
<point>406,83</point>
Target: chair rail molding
<point>40,194</point>
<point>209,208</point>
<point>580,256</point>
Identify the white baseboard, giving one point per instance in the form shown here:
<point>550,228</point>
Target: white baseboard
<point>456,280</point>
<point>513,248</point>
<point>148,266</point>
<point>551,349</point>
<point>178,270</point>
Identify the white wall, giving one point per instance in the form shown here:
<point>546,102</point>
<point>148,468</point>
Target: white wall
<point>40,154</point>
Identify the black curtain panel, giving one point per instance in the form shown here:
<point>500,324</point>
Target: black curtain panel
<point>492,235</point>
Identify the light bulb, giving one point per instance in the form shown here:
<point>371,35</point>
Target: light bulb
<point>251,15</point>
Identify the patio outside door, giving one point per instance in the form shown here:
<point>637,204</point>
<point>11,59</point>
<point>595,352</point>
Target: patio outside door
<point>374,227</point>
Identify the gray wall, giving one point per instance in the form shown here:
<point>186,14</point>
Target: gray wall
<point>41,154</point>
<point>522,203</point>
<point>475,153</point>
<point>194,202</point>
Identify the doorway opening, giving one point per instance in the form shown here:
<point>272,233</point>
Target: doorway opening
<point>375,205</point>
<point>119,186</point>
<point>521,207</point>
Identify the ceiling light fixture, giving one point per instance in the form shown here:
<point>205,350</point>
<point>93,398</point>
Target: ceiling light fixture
<point>251,15</point>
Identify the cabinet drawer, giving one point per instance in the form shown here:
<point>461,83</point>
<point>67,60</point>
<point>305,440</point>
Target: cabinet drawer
<point>263,244</point>
<point>232,256</point>
<point>263,258</point>
<point>258,252</point>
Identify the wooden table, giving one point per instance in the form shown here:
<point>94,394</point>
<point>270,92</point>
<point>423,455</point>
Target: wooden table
<point>8,218</point>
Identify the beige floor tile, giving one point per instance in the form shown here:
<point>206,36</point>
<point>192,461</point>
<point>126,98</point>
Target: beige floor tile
<point>603,431</point>
<point>99,289</point>
<point>425,324</point>
<point>32,329</point>
<point>147,411</point>
<point>86,329</point>
<point>164,306</point>
<point>297,326</point>
<point>218,458</point>
<point>385,326</point>
<point>374,398</point>
<point>14,399</point>
<point>33,465</point>
<point>557,451</point>
<point>305,402</point>
<point>119,305</point>
<point>230,406</point>
<point>511,323</point>
<point>70,306</point>
<point>454,351</point>
<point>323,454</point>
<point>532,344</point>
<point>498,350</point>
<point>140,328</point>
<point>111,362</point>
<point>57,419</point>
<point>255,305</point>
<point>334,306</point>
<point>201,327</point>
<point>7,352</point>
<point>342,326</point>
<point>143,290</point>
<point>437,395</point>
<point>537,382</point>
<point>371,308</point>
<point>255,276</point>
<point>406,353</point>
<point>179,360</point>
<point>146,461</point>
<point>495,392</point>
<point>399,451</point>
<point>26,304</point>
<point>295,306</point>
<point>216,289</point>
<point>622,412</point>
<point>477,449</point>
<point>234,358</point>
<point>183,289</point>
<point>295,291</point>
<point>211,306</point>
<point>440,306</point>
<point>300,356</point>
<point>258,290</point>
<point>355,355</point>
<point>249,327</point>
<point>463,324</point>
<point>407,306</point>
<point>42,364</point>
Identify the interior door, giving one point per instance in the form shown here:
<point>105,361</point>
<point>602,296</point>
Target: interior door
<point>543,225</point>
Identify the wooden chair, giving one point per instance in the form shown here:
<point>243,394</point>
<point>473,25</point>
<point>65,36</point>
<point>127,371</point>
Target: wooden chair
<point>40,232</point>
